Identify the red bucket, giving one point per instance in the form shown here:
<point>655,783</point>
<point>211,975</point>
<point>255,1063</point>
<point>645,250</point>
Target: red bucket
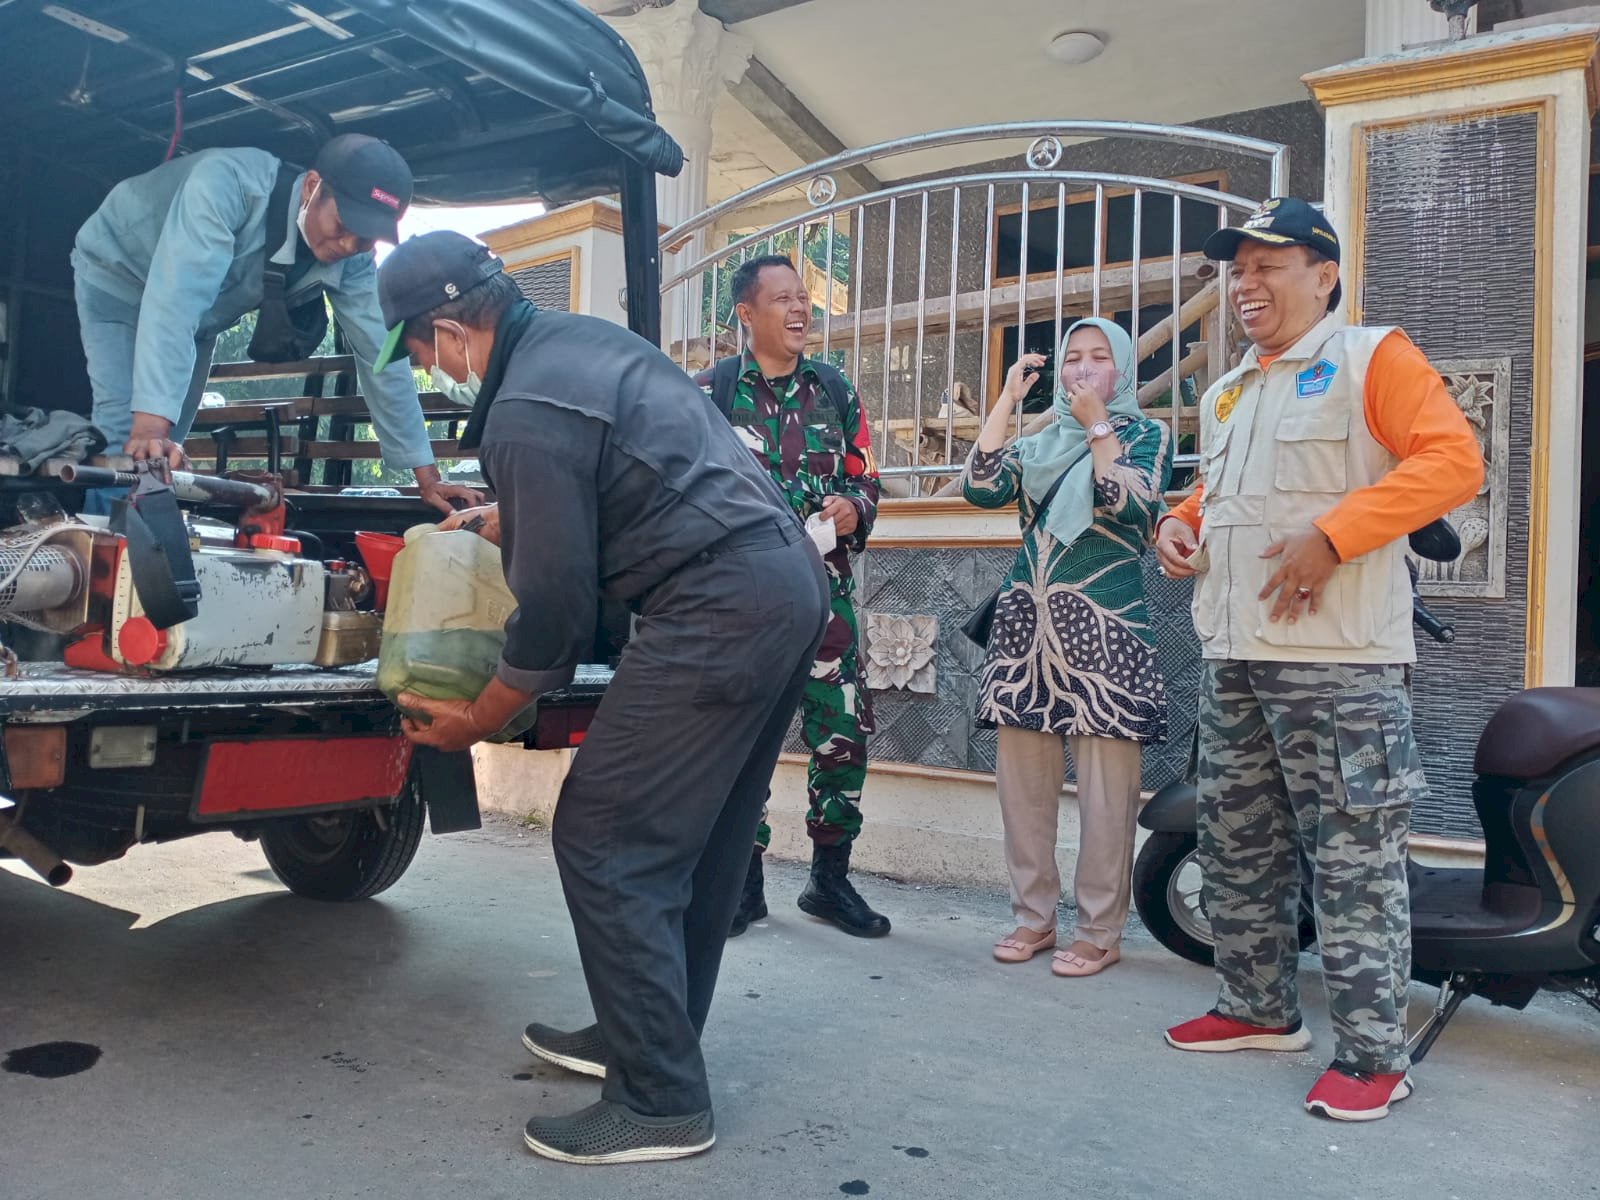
<point>378,551</point>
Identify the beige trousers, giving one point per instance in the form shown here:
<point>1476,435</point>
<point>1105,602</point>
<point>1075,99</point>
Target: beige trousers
<point>1029,769</point>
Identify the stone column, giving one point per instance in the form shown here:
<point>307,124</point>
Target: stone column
<point>689,60</point>
<point>1457,176</point>
<point>1392,25</point>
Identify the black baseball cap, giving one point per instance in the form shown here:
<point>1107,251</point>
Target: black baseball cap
<point>370,182</point>
<point>423,272</point>
<point>1281,221</point>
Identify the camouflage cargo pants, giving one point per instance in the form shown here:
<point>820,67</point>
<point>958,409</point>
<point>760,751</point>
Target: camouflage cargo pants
<point>1308,771</point>
<point>835,719</point>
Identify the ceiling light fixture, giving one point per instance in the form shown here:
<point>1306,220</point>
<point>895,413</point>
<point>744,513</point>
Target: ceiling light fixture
<point>1076,47</point>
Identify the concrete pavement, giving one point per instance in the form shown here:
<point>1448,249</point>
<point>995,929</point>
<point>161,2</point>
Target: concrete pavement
<point>256,1045</point>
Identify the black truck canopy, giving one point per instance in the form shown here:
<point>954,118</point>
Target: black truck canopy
<point>489,100</point>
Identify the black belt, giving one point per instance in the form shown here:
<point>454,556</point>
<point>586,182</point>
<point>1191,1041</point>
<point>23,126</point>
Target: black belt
<point>785,533</point>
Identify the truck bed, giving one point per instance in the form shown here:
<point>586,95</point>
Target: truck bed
<point>58,691</point>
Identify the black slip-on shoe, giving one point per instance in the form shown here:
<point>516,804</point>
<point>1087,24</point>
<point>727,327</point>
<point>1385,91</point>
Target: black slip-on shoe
<point>613,1133</point>
<point>581,1051</point>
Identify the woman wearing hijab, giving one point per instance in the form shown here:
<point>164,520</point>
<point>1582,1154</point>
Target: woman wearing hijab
<point>1071,655</point>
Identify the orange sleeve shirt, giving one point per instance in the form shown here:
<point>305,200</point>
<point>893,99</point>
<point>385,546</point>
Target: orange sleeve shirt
<point>1410,414</point>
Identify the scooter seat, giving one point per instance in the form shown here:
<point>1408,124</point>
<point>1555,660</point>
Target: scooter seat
<point>1535,731</point>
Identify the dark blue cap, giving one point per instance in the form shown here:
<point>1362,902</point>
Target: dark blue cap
<point>421,273</point>
<point>1281,221</point>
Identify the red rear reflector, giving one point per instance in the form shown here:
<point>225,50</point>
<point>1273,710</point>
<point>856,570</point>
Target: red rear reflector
<point>36,755</point>
<point>576,738</point>
<point>297,774</point>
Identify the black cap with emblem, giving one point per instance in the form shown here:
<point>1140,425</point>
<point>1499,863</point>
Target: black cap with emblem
<point>370,183</point>
<point>1281,221</point>
<point>424,272</point>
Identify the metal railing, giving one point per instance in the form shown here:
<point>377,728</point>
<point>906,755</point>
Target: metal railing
<point>898,266</point>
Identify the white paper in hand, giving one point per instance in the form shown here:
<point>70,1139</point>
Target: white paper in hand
<point>822,534</point>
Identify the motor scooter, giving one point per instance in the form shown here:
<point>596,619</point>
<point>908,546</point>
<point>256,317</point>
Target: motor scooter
<point>1528,919</point>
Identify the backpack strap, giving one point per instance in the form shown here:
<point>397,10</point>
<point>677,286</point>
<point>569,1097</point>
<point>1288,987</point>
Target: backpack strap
<point>284,334</point>
<point>833,383</point>
<point>724,383</point>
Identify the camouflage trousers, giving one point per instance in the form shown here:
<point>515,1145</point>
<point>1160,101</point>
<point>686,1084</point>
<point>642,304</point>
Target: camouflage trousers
<point>1307,773</point>
<point>835,719</point>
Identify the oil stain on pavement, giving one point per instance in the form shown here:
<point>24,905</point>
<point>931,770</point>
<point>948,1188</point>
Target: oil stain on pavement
<point>51,1060</point>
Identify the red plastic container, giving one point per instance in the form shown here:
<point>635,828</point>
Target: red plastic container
<point>378,551</point>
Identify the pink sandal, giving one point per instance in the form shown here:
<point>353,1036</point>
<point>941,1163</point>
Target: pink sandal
<point>1013,950</point>
<point>1074,966</point>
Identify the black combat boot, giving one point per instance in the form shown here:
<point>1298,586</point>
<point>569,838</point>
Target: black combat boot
<point>753,901</point>
<point>830,896</point>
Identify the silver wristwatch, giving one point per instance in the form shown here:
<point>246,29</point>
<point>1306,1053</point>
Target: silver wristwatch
<point>1099,430</point>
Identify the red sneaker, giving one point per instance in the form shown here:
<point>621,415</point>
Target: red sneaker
<point>1346,1094</point>
<point>1215,1033</point>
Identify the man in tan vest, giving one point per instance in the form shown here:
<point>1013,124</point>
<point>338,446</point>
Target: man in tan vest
<point>1324,448</point>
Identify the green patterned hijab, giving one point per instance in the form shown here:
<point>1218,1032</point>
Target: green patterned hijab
<point>1044,455</point>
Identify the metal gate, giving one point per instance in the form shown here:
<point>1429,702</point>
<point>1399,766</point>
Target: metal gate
<point>923,290</point>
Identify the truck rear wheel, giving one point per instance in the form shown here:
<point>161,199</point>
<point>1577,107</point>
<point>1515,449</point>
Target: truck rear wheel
<point>345,855</point>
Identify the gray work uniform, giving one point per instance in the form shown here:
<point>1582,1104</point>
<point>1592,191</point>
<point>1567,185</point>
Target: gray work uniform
<point>615,476</point>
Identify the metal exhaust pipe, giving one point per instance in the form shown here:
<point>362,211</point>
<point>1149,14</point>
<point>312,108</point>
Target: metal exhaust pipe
<point>45,862</point>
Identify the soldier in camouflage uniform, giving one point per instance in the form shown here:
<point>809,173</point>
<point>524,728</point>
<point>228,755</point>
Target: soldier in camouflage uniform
<point>1320,453</point>
<point>803,421</point>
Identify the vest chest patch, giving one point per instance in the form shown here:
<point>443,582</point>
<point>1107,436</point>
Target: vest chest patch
<point>1315,379</point>
<point>1228,401</point>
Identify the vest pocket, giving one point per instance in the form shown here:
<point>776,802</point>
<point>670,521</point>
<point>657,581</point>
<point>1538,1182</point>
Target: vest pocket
<point>1209,608</point>
<point>1345,619</point>
<point>1311,449</point>
<point>1221,518</point>
<point>1378,763</point>
<point>1211,457</point>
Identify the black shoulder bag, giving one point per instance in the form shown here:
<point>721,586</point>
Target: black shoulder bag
<point>282,333</point>
<point>979,624</point>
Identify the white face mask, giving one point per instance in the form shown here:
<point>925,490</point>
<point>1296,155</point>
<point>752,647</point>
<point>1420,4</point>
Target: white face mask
<point>463,395</point>
<point>300,217</point>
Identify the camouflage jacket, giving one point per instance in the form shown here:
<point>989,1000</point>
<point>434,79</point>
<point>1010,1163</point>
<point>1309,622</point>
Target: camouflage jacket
<point>799,438</point>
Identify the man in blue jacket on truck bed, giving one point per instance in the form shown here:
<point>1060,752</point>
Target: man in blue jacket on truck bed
<point>173,257</point>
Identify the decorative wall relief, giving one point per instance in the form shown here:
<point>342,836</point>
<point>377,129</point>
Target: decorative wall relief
<point>1481,388</point>
<point>900,652</point>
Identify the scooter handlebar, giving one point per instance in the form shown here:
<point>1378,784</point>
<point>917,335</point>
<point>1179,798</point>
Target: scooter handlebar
<point>1424,620</point>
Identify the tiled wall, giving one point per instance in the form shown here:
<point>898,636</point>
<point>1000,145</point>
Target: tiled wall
<point>1449,255</point>
<point>939,730</point>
